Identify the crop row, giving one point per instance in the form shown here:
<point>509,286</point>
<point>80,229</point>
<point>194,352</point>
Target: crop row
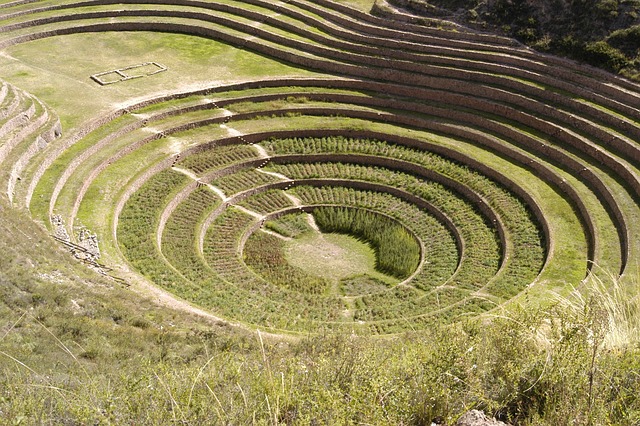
<point>267,202</point>
<point>524,235</point>
<point>440,251</point>
<point>224,236</point>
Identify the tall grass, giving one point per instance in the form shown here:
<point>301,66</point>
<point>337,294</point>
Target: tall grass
<point>397,251</point>
<point>611,305</point>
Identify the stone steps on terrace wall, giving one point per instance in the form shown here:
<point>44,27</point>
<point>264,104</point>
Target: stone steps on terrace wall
<point>49,131</point>
<point>4,90</point>
<point>169,208</point>
<point>21,143</point>
<point>132,187</point>
<point>118,133</point>
<point>11,102</point>
<point>13,129</point>
<point>19,111</point>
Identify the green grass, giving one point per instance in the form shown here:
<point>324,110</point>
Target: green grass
<point>441,253</point>
<point>80,348</point>
<point>397,252</point>
<point>482,253</point>
<point>289,225</point>
<point>66,87</point>
<point>267,255</point>
<point>333,256</point>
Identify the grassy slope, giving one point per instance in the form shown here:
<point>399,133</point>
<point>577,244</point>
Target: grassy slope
<point>66,86</point>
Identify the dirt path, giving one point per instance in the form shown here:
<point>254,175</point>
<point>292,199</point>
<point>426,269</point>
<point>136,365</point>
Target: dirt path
<point>190,174</point>
<point>144,288</point>
<point>310,219</point>
<point>278,175</point>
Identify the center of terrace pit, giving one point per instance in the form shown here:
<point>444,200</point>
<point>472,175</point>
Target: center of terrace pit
<point>333,256</point>
<point>312,233</point>
<point>342,263</point>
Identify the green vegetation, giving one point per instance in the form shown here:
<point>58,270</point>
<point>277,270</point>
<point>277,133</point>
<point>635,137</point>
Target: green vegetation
<point>361,284</point>
<point>289,225</point>
<point>603,33</point>
<point>266,255</point>
<point>397,251</point>
<point>336,257</point>
<point>441,253</point>
<point>527,241</point>
<point>193,61</point>
<point>317,216</point>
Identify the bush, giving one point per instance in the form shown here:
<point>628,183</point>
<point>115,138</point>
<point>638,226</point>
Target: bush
<point>601,54</point>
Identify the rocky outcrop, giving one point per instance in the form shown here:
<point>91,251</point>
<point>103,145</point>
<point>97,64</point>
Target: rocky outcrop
<point>478,418</point>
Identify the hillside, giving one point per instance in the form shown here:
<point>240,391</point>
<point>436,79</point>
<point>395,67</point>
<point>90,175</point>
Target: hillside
<point>259,212</point>
<point>603,33</point>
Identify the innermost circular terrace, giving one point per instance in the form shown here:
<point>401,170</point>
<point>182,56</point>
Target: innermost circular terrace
<point>331,256</point>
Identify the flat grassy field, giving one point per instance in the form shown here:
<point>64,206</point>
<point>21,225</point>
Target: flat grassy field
<point>53,70</point>
<point>333,256</point>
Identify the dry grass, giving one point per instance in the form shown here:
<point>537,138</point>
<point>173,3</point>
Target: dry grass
<point>612,303</point>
